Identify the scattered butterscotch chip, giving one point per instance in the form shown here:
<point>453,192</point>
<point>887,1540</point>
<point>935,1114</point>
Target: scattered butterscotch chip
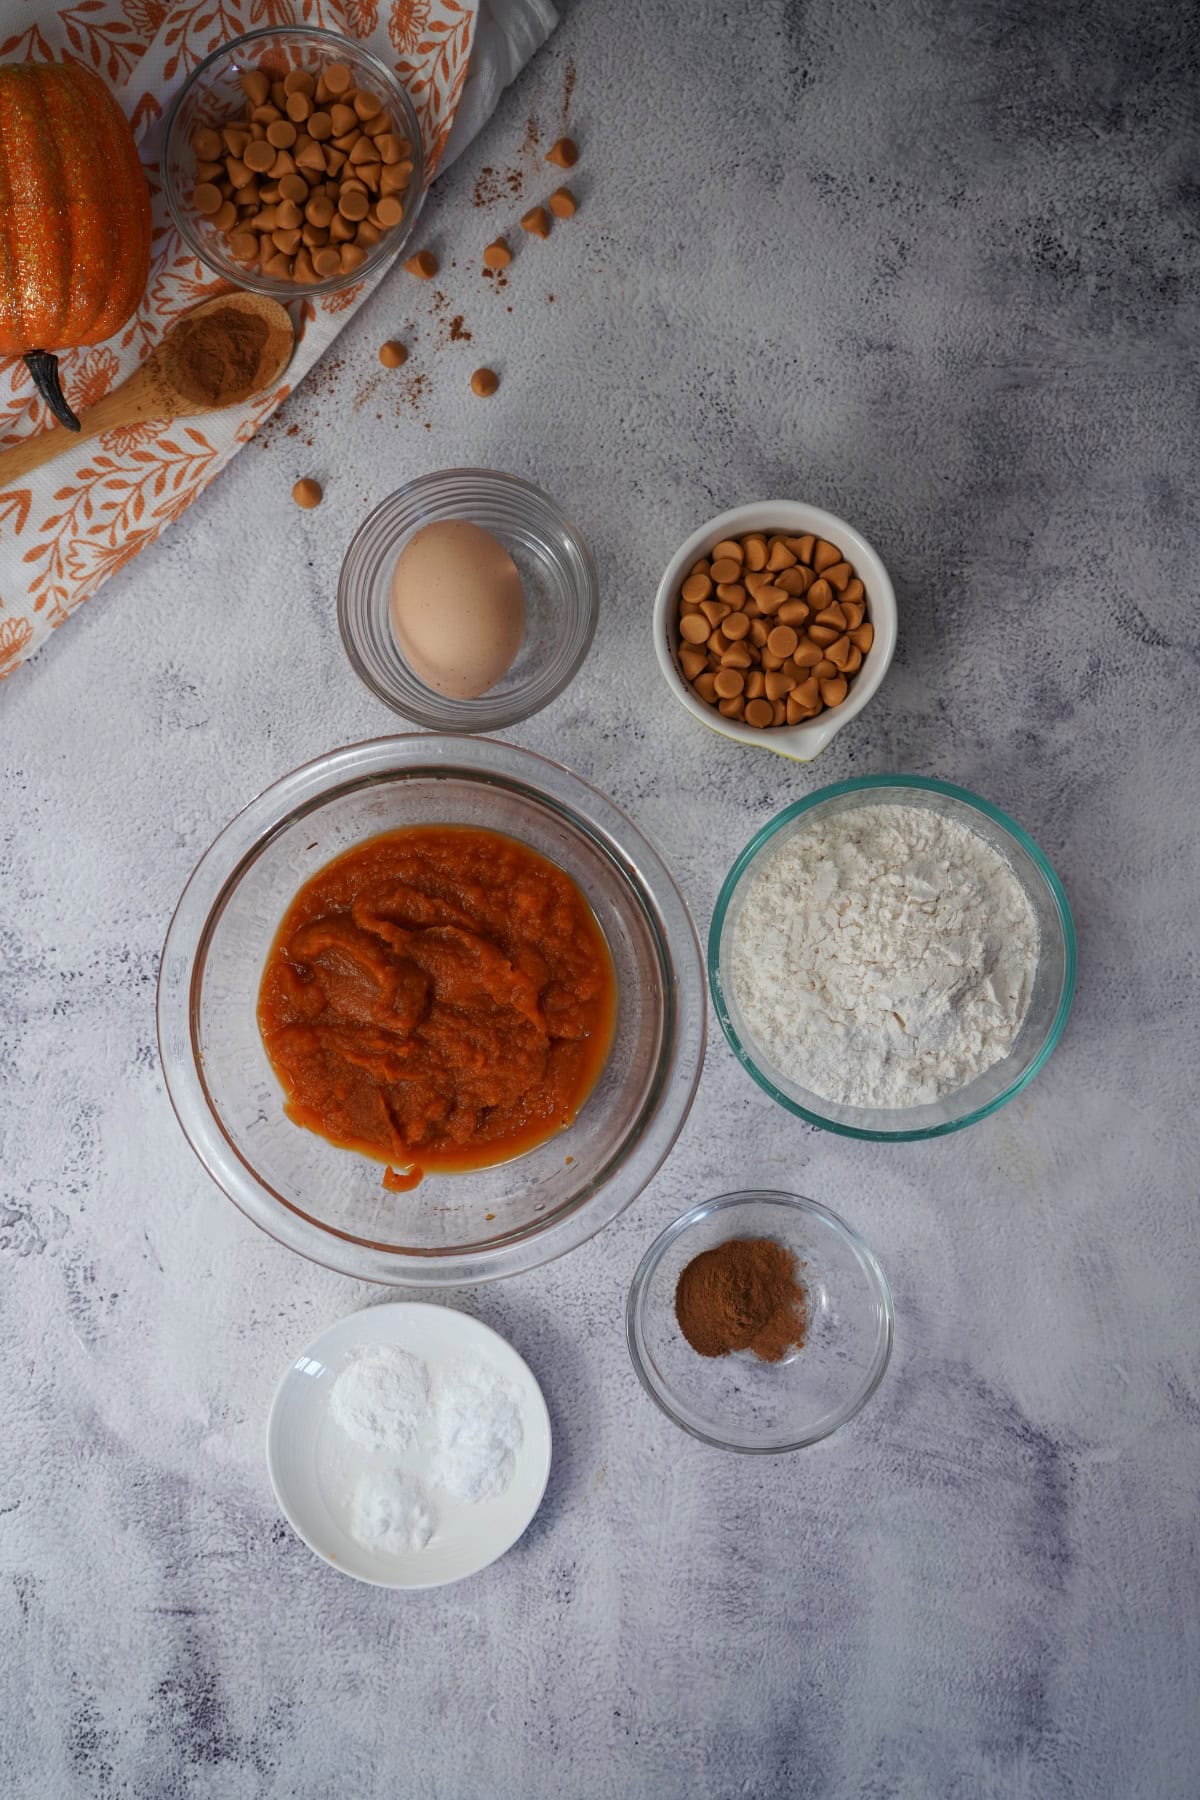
<point>392,354</point>
<point>497,255</point>
<point>562,203</point>
<point>536,221</point>
<point>564,154</point>
<point>307,494</point>
<point>484,382</point>
<point>423,265</point>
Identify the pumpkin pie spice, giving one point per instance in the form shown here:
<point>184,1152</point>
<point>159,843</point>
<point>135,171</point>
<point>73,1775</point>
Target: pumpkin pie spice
<point>744,1294</point>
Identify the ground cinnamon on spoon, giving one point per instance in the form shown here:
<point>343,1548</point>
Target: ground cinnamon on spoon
<point>218,353</point>
<point>743,1294</point>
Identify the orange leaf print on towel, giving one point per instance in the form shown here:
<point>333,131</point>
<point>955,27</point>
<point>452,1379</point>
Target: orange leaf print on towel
<point>14,507</point>
<point>101,41</point>
<point>362,16</point>
<point>119,505</point>
<point>14,636</point>
<point>407,24</point>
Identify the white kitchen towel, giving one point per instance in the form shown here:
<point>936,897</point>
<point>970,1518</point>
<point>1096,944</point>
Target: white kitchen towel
<point>68,526</point>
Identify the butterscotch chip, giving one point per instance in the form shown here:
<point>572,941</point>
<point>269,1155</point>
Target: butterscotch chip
<point>307,493</point>
<point>327,262</point>
<point>353,257</point>
<point>832,615</point>
<point>755,548</point>
<point>337,78</point>
<point>694,629</point>
<point>564,154</point>
<point>484,382</point>
<point>802,546</point>
<point>724,568</point>
<point>536,221</point>
<point>706,686</point>
<point>562,203</point>
<point>298,107</point>
<point>864,637</point>
<point>729,683</point>
<point>207,144</point>
<point>793,612</point>
<point>782,641</point>
<point>824,634</point>
<point>497,255</point>
<point>354,204</point>
<point>824,556</point>
<point>207,198</point>
<point>696,588</point>
<point>392,354</point>
<point>819,596</point>
<point>389,211</point>
<point>298,81</point>
<point>225,215</point>
<point>840,576</point>
<point>243,246</point>
<point>759,712</point>
<point>423,264</point>
<point>256,86</point>
<point>834,691</point>
<point>780,556</point>
<point>366,105</point>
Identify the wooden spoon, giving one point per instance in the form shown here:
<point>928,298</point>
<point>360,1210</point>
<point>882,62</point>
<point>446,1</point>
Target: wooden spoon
<point>164,387</point>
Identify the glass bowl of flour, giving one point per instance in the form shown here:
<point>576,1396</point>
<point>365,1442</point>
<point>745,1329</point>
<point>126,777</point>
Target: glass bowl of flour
<point>892,958</point>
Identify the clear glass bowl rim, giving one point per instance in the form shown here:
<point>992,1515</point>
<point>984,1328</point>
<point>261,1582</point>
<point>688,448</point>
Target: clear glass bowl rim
<point>215,875</point>
<point>865,784</point>
<point>639,1287</point>
<point>340,47</point>
<point>487,713</point>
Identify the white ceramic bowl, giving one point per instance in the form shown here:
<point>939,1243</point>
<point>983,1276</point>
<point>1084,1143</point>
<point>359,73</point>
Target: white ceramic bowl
<point>801,742</point>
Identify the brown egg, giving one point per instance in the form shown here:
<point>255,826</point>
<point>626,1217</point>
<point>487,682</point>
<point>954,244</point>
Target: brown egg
<point>458,608</point>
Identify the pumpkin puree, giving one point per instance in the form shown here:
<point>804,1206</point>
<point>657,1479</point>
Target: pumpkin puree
<point>438,995</point>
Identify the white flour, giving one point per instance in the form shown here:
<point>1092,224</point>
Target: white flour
<point>884,956</point>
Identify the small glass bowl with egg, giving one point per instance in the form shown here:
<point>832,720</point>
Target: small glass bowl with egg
<point>467,600</point>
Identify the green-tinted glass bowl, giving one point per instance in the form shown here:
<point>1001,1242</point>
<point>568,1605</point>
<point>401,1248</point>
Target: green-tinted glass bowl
<point>1053,986</point>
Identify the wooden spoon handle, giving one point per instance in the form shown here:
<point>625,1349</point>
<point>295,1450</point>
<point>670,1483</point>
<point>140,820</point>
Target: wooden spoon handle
<point>136,400</point>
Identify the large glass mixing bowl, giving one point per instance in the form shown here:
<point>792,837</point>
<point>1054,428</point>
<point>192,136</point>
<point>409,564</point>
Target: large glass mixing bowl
<point>328,1203</point>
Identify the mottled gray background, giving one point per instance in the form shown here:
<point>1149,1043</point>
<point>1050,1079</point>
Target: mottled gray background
<point>935,268</point>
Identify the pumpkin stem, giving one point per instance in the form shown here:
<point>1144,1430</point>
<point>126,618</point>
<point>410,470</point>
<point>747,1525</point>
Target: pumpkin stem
<point>44,369</point>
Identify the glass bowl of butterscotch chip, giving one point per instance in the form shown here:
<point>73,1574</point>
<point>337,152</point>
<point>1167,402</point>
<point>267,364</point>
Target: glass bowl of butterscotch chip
<point>759,1322</point>
<point>292,162</point>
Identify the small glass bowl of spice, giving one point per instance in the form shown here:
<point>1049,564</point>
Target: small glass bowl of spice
<point>292,162</point>
<point>759,1322</point>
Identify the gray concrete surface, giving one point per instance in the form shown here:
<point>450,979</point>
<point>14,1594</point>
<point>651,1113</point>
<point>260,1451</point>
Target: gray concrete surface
<point>934,268</point>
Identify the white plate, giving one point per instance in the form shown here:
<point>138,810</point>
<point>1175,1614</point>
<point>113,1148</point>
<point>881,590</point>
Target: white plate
<point>314,1467</point>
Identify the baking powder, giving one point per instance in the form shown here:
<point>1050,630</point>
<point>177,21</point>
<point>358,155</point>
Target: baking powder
<point>884,956</point>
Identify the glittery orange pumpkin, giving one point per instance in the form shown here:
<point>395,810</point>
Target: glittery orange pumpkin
<point>74,218</point>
